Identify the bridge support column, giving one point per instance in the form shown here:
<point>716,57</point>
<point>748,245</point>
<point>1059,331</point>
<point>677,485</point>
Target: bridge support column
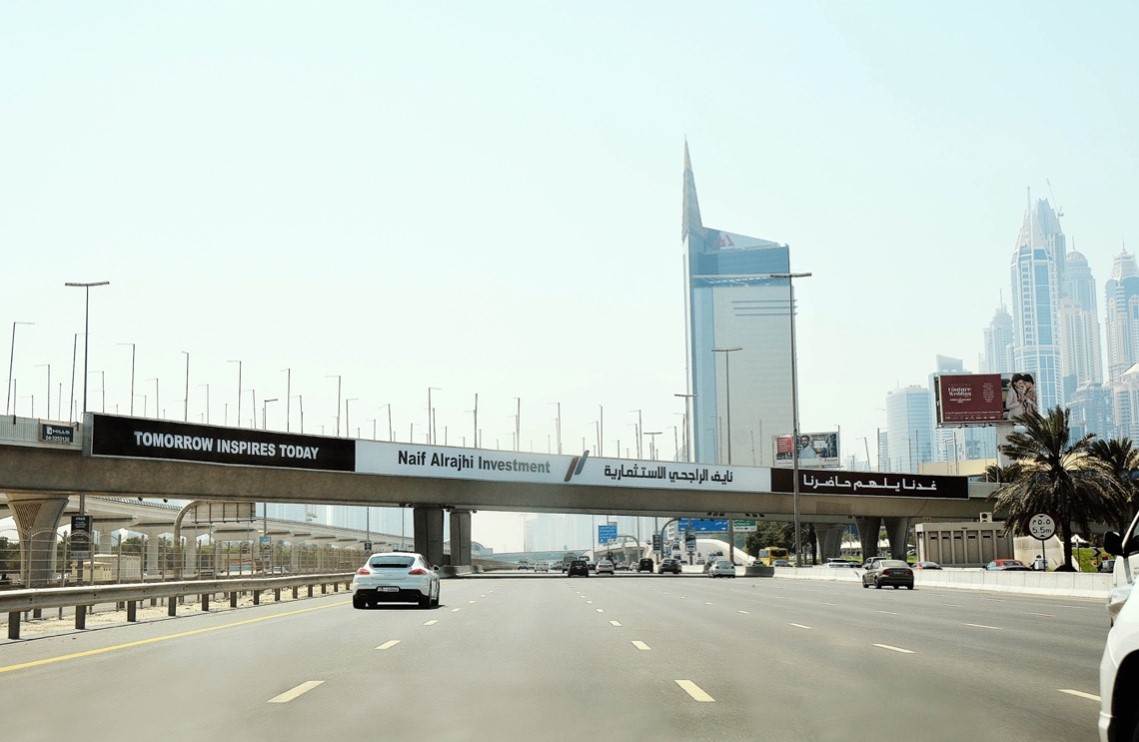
<point>830,540</point>
<point>460,537</point>
<point>897,529</point>
<point>428,526</point>
<point>868,528</point>
<point>37,517</point>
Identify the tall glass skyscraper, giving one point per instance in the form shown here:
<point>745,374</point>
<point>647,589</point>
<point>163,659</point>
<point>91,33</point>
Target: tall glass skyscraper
<point>1035,300</point>
<point>733,302</point>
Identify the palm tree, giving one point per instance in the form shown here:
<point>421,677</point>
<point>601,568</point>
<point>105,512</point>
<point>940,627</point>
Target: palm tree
<point>999,474</point>
<point>1057,477</point>
<point>1123,458</point>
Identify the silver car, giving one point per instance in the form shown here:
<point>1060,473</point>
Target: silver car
<point>395,577</point>
<point>722,568</point>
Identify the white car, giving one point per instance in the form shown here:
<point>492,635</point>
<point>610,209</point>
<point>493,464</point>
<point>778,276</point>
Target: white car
<point>1119,668</point>
<point>722,568</point>
<point>605,566</point>
<point>395,577</point>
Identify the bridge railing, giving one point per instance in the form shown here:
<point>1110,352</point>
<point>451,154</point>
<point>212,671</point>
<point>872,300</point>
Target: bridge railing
<point>17,602</point>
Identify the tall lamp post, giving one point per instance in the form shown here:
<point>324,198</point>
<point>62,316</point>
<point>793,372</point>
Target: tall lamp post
<point>239,393</point>
<point>132,345</point>
<point>794,409</point>
<point>728,392</point>
<point>264,412</point>
<point>11,359</point>
<point>86,330</point>
<point>687,424</point>
<point>186,401</point>
<point>348,430</point>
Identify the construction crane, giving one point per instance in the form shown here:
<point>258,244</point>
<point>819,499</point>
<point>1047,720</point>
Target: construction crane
<point>1059,209</point>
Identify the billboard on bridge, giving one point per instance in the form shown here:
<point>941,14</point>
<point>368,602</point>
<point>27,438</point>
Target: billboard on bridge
<point>135,437</point>
<point>869,484</point>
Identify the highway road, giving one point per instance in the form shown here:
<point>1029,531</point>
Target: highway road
<point>555,658</point>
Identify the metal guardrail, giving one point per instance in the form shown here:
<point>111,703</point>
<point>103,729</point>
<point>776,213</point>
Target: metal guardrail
<point>16,602</point>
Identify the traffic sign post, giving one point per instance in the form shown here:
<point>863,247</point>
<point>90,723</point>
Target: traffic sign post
<point>1042,527</point>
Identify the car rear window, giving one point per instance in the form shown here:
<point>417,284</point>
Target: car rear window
<point>391,563</point>
<point>893,564</point>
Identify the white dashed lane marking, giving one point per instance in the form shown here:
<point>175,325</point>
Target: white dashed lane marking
<point>298,691</point>
<point>1080,694</point>
<point>799,626</point>
<point>894,649</point>
<point>432,622</point>
<point>615,623</point>
<point>388,645</point>
<point>695,691</point>
<point>641,646</point>
<point>983,626</point>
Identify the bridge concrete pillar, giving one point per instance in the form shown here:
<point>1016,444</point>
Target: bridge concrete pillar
<point>150,557</point>
<point>830,540</point>
<point>428,527</point>
<point>868,528</point>
<point>37,517</point>
<point>897,529</point>
<point>460,537</point>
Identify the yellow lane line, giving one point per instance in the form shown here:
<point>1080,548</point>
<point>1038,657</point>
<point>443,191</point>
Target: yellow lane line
<point>695,691</point>
<point>156,639</point>
<point>301,689</point>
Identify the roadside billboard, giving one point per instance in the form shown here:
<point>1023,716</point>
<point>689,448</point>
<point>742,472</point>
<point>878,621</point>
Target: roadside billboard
<point>815,450</point>
<point>984,399</point>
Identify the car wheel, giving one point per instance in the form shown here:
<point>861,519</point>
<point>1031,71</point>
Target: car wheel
<point>877,585</point>
<point>359,602</point>
<point>909,587</point>
<point>865,585</point>
<point>896,586</point>
<point>425,601</point>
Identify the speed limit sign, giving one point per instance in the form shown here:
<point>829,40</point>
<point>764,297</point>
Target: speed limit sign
<point>1042,526</point>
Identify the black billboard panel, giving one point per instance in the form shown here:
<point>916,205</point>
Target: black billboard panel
<point>134,437</point>
<point>869,483</point>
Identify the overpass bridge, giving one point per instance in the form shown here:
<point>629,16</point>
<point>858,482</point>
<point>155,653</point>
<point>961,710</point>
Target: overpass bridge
<point>43,463</point>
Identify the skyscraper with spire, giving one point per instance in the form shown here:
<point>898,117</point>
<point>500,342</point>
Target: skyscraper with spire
<point>1035,276</point>
<point>732,302</point>
<point>1121,317</point>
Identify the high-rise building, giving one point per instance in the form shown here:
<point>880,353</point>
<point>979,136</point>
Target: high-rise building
<point>997,357</point>
<point>909,428</point>
<point>1035,300</point>
<point>1121,307</point>
<point>1081,361</point>
<point>734,303</point>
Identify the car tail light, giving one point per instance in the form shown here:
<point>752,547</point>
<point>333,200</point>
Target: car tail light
<point>363,571</point>
<point>418,571</point>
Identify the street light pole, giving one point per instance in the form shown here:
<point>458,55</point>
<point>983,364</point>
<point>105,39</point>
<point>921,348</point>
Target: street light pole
<point>288,397</point>
<point>86,337</point>
<point>11,359</point>
<point>239,392</point>
<point>687,422</point>
<point>431,416</point>
<point>186,402</point>
<point>132,345</point>
<point>794,409</point>
<point>347,429</point>
<point>728,392</point>
<point>264,412</point>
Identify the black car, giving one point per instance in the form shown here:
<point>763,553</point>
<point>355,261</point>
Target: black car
<point>670,565</point>
<point>578,567</point>
<point>645,565</point>
<point>891,572</point>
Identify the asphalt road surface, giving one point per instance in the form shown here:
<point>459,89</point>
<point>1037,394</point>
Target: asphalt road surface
<point>618,657</point>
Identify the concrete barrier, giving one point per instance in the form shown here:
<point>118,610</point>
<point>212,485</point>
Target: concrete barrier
<point>1071,584</point>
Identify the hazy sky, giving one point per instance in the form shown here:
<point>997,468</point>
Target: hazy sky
<point>485,198</point>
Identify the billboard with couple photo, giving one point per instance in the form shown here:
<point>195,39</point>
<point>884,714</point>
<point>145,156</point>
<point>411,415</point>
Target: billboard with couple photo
<point>979,399</point>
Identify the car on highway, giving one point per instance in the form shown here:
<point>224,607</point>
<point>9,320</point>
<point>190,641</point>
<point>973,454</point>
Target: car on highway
<point>1119,667</point>
<point>872,562</point>
<point>524,564</point>
<point>645,565</point>
<point>890,573</point>
<point>781,563</point>
<point>605,566</point>
<point>1007,565</point>
<point>578,567</point>
<point>541,566</point>
<point>395,577</point>
<point>621,566</point>
<point>841,564</point>
<point>926,565</point>
<point>670,566</point>
<point>722,568</point>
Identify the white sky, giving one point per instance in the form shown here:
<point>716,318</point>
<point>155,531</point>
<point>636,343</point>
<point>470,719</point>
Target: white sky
<point>485,197</point>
